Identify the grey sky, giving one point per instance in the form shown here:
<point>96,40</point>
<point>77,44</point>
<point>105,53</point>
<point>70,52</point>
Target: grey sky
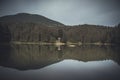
<point>69,12</point>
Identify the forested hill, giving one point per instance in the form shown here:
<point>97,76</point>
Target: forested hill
<point>25,27</point>
<point>29,18</point>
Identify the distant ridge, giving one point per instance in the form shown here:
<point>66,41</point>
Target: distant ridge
<point>29,18</point>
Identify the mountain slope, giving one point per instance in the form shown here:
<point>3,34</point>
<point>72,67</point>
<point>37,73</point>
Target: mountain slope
<point>29,18</point>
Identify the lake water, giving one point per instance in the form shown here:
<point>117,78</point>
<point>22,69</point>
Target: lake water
<point>35,62</point>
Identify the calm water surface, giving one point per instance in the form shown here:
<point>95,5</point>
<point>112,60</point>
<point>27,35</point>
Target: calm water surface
<point>35,62</point>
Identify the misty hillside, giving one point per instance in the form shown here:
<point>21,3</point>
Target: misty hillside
<point>25,27</point>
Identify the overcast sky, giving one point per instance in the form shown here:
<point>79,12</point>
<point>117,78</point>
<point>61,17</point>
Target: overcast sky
<point>69,12</point>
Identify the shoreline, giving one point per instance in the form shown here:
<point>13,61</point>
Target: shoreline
<point>59,43</point>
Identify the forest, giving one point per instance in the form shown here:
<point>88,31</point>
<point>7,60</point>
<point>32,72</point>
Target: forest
<point>13,28</point>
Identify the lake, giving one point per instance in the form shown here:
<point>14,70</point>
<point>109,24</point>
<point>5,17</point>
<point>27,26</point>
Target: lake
<point>37,62</point>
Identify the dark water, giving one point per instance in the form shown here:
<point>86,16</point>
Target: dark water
<point>35,62</point>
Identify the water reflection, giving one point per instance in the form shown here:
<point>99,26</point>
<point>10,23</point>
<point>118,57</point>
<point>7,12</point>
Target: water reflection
<point>59,62</point>
<point>67,70</point>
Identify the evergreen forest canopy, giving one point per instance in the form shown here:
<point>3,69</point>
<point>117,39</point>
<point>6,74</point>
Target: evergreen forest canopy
<point>25,27</point>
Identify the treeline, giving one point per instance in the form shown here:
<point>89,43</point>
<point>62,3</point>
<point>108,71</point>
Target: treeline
<point>26,27</point>
<point>33,32</point>
<point>116,34</point>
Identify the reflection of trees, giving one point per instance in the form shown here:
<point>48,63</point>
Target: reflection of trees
<point>59,50</point>
<point>36,56</point>
<point>4,53</point>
